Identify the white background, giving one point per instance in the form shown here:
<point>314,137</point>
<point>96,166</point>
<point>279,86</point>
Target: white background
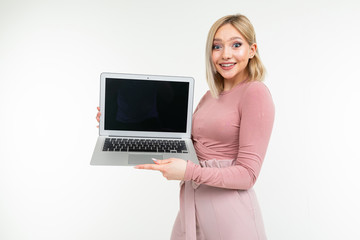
<point>51,56</point>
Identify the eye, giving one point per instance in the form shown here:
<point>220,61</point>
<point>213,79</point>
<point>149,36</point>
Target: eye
<point>216,47</point>
<point>237,45</point>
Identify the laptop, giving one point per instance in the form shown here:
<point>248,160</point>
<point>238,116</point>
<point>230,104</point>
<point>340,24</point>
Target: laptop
<point>144,117</point>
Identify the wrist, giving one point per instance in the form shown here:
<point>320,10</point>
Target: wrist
<point>189,171</point>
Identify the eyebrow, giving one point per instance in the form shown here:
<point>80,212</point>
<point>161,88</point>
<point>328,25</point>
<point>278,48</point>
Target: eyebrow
<point>233,38</point>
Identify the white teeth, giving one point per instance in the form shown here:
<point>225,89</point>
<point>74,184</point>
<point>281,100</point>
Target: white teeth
<point>227,65</point>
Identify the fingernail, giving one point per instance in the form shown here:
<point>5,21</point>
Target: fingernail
<point>154,159</point>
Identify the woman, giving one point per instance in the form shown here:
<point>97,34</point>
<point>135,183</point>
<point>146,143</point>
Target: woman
<point>232,125</point>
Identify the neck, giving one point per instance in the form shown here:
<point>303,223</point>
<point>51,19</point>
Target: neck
<point>230,83</point>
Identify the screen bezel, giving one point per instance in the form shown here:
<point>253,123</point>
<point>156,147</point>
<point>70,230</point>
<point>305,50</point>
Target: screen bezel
<point>103,132</point>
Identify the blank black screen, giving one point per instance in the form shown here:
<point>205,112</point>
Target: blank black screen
<point>146,105</point>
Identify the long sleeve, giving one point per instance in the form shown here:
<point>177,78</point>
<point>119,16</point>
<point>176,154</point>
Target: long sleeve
<point>256,117</point>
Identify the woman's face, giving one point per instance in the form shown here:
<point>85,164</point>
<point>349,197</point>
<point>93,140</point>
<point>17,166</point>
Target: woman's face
<point>231,53</point>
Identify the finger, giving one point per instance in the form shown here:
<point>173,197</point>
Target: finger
<point>149,167</point>
<point>98,115</point>
<point>165,161</point>
<point>155,160</point>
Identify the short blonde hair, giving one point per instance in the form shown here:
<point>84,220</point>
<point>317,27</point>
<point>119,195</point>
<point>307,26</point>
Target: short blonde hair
<point>255,67</point>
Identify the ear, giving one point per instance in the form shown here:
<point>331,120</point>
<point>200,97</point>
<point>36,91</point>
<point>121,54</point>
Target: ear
<point>252,51</point>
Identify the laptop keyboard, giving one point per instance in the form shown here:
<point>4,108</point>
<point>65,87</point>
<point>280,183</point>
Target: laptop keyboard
<point>144,145</point>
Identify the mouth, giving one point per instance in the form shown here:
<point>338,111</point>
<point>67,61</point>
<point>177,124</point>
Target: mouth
<point>227,66</point>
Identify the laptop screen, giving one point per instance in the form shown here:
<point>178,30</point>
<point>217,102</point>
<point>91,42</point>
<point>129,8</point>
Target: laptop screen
<point>146,105</point>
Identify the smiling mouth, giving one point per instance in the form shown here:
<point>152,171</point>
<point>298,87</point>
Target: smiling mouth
<point>227,64</point>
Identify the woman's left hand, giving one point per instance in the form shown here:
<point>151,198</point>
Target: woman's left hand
<point>171,169</point>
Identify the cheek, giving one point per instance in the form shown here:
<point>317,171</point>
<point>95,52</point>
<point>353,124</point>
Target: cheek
<point>241,55</point>
<point>215,57</point>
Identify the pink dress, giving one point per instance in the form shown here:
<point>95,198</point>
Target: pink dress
<point>230,136</point>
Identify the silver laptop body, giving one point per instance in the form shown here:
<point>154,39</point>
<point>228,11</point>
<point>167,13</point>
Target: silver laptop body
<point>144,117</point>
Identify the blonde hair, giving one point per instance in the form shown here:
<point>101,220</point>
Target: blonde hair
<point>255,67</point>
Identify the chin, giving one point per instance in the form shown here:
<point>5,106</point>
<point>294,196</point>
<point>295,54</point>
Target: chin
<point>228,76</point>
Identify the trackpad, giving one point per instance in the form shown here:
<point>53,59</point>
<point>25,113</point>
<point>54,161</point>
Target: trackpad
<point>136,159</point>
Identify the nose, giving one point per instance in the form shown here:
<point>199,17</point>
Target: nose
<point>227,54</point>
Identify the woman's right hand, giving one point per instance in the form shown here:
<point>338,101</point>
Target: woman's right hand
<point>98,116</point>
